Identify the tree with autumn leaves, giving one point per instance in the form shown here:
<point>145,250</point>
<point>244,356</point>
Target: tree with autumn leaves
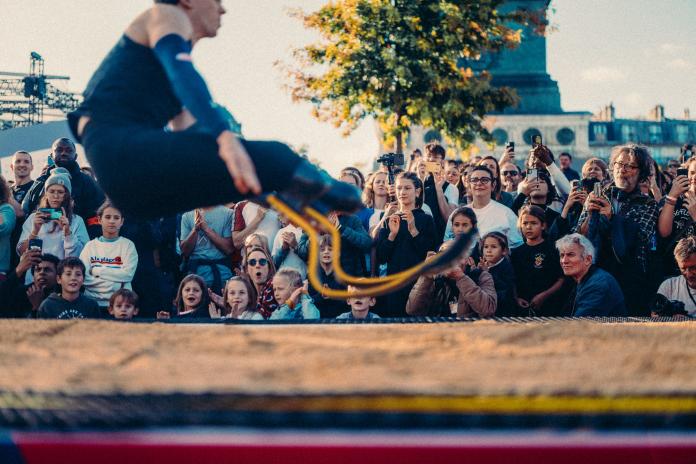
<point>404,63</point>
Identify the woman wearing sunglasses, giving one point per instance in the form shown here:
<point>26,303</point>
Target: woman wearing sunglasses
<point>260,270</point>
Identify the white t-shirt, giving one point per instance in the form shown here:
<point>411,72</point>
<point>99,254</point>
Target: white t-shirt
<point>269,225</point>
<point>676,288</point>
<point>493,217</point>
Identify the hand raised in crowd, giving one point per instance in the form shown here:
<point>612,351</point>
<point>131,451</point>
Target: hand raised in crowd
<point>238,163</point>
<point>410,222</point>
<point>333,218</point>
<point>540,157</point>
<point>29,259</point>
<point>35,296</point>
<point>680,184</point>
<point>199,221</point>
<point>215,298</point>
<point>163,315</point>
<point>454,273</point>
<point>690,204</point>
<point>214,311</point>
<point>576,197</point>
<point>64,223</point>
<point>599,203</point>
<point>508,156</point>
<point>39,220</point>
<point>289,240</point>
<point>394,224</point>
<point>296,295</point>
<point>527,186</point>
<point>391,190</point>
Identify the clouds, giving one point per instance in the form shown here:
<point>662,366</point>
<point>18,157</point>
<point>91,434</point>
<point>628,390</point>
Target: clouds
<point>603,74</point>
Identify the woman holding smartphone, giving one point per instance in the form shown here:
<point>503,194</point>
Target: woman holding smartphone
<point>678,213</point>
<point>404,239</point>
<point>63,233</point>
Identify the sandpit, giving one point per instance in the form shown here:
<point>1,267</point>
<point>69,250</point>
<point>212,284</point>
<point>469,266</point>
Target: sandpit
<point>479,358</point>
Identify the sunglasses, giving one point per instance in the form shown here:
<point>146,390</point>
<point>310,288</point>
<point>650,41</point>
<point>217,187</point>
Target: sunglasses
<point>510,173</point>
<point>260,262</point>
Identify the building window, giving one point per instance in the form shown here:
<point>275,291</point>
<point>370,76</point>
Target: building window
<point>500,136</point>
<point>655,134</point>
<point>600,132</point>
<point>628,133</point>
<point>565,136</point>
<point>681,133</point>
<point>529,133</point>
<point>432,136</point>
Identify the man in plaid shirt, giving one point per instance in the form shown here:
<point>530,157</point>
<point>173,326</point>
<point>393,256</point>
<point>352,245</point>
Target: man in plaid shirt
<point>621,224</point>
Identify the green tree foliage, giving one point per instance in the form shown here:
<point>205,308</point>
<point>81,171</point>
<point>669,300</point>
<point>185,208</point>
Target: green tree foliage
<point>403,62</point>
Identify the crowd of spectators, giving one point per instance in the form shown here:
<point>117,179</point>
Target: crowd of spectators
<point>616,239</point>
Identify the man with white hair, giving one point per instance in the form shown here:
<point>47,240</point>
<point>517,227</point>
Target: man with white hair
<point>597,293</point>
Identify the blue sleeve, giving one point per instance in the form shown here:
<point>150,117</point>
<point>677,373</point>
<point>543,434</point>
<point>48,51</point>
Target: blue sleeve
<point>174,54</point>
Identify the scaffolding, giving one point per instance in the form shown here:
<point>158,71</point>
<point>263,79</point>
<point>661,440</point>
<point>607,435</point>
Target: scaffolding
<point>25,99</point>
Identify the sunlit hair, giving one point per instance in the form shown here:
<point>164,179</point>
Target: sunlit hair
<point>325,240</point>
<point>417,184</point>
<point>294,277</point>
<point>641,155</point>
<point>107,204</point>
<point>355,174</point>
<point>564,243</point>
<point>368,195</point>
<point>435,149</point>
<point>253,237</point>
<point>251,291</point>
<point>595,162</point>
<point>685,248</point>
<point>179,301</point>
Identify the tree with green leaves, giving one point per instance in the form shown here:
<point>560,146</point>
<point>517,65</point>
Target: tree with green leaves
<point>404,63</point>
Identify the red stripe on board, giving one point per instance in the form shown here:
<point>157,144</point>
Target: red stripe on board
<point>178,448</point>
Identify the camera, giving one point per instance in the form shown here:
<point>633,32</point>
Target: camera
<point>682,172</point>
<point>667,308</point>
<point>391,159</point>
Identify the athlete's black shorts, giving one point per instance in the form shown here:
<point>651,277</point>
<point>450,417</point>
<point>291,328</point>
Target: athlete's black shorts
<point>149,173</point>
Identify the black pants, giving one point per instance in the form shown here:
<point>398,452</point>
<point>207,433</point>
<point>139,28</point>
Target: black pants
<point>148,173</point>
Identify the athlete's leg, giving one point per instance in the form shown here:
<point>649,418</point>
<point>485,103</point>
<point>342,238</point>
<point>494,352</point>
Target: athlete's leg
<point>150,173</point>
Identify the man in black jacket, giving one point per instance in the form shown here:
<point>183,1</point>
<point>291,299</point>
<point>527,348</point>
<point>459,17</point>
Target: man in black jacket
<point>86,194</point>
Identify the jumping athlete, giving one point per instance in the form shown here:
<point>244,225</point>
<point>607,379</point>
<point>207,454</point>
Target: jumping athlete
<point>158,143</point>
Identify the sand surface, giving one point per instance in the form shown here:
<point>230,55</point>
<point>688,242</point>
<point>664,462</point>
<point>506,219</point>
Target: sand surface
<point>482,358</point>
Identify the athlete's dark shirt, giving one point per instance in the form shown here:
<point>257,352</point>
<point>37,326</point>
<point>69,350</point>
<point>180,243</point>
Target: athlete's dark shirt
<point>129,87</point>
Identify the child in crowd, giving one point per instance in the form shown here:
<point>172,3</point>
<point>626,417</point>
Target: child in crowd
<point>239,299</point>
<point>463,219</point>
<point>538,272</point>
<point>359,307</point>
<point>69,303</point>
<point>495,260</point>
<point>123,304</point>
<point>192,300</point>
<point>292,295</point>
<point>110,260</point>
<point>328,307</point>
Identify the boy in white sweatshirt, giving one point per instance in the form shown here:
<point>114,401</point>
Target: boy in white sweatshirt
<point>110,260</point>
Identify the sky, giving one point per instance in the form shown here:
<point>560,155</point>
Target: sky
<point>635,53</point>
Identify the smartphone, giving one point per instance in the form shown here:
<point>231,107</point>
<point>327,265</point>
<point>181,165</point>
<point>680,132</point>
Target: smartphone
<point>536,140</point>
<point>575,185</point>
<point>682,172</point>
<point>532,173</point>
<point>36,244</point>
<point>53,213</point>
<point>432,166</point>
<point>597,190</point>
<point>510,145</point>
